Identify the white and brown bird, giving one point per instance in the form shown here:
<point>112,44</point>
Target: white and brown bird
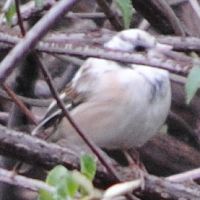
<point>118,106</point>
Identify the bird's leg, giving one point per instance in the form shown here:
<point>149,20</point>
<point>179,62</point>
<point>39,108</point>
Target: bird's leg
<point>133,158</point>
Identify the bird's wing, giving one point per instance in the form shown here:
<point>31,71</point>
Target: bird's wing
<point>70,99</point>
<point>75,93</point>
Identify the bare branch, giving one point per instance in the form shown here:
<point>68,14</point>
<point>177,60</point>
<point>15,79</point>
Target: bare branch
<point>172,61</point>
<point>28,101</point>
<point>19,17</point>
<point>32,37</point>
<point>11,178</point>
<point>20,104</point>
<point>110,14</point>
<point>23,147</point>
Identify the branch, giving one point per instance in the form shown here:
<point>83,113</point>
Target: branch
<point>185,176</point>
<point>36,151</point>
<point>27,100</point>
<point>32,37</point>
<point>110,14</point>
<point>20,104</point>
<point>160,15</point>
<point>167,190</point>
<point>172,61</point>
<point>11,178</point>
<point>184,44</point>
<point>165,155</point>
<point>23,147</point>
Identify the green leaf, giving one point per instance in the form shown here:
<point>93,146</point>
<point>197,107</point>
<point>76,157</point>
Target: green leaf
<point>10,13</point>
<point>192,83</point>
<point>88,166</point>
<point>71,185</point>
<point>63,181</point>
<point>86,186</point>
<point>126,9</point>
<point>45,195</point>
<point>56,174</point>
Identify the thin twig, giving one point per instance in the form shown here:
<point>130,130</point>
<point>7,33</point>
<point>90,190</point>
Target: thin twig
<point>20,104</point>
<point>78,130</point>
<point>27,100</point>
<point>110,15</point>
<point>96,15</point>
<point>29,10</point>
<point>173,19</point>
<point>20,22</point>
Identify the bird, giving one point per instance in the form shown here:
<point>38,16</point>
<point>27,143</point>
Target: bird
<point>117,105</point>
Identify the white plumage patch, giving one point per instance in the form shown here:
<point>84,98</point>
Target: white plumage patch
<point>124,105</point>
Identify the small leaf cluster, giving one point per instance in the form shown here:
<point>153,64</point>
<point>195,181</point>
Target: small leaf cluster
<point>72,184</point>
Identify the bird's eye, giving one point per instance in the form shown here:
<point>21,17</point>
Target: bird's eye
<point>140,48</point>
